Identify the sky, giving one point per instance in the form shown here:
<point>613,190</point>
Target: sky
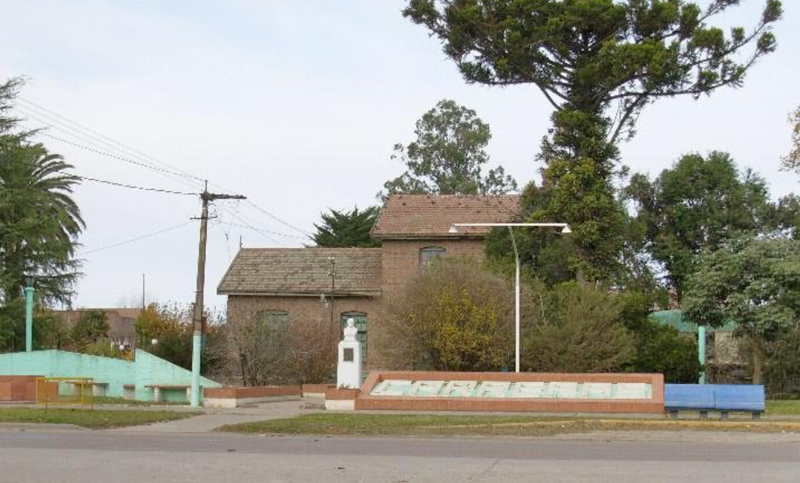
<point>297,106</point>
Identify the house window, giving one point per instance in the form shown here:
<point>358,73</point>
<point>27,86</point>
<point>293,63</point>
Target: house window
<point>272,321</point>
<point>427,255</point>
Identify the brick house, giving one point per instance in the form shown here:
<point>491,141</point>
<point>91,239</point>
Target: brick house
<point>280,287</point>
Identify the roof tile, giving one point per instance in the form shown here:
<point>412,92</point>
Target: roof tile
<point>302,271</point>
<point>420,216</point>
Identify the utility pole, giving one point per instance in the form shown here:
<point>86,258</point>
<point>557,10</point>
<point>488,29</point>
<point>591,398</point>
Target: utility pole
<point>197,318</point>
<point>144,306</point>
<point>29,314</point>
<point>332,272</point>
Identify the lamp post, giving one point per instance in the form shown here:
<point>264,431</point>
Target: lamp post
<point>565,229</point>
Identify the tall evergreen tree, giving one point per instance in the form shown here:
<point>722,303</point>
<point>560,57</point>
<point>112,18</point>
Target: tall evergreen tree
<point>346,228</point>
<point>39,223</point>
<point>599,63</point>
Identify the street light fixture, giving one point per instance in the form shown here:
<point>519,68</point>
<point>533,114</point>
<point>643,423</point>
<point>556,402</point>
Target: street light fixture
<point>565,230</point>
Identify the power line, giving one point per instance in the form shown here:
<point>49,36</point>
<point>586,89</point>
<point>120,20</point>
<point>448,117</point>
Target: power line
<point>92,144</point>
<point>107,140</point>
<point>286,235</point>
<point>149,235</point>
<point>81,131</point>
<point>247,224</point>
<point>113,156</point>
<point>285,223</point>
<point>142,188</point>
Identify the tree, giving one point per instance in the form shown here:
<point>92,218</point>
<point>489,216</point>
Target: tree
<point>456,316</point>
<point>792,160</point>
<point>662,349</point>
<point>448,156</point>
<point>170,326</point>
<point>346,228</point>
<point>659,348</point>
<point>49,333</point>
<point>576,327</point>
<point>753,282</point>
<point>269,348</point>
<point>785,215</point>
<point>697,204</point>
<point>599,63</point>
<point>782,368</point>
<point>8,91</point>
<point>39,221</point>
<point>90,328</point>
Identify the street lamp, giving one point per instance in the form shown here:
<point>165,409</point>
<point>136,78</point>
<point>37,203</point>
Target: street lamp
<point>565,230</point>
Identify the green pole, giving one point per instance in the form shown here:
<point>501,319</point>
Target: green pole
<point>701,352</point>
<point>29,316</point>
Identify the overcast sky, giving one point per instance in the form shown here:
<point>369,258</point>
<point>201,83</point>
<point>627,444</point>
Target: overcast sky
<point>297,105</point>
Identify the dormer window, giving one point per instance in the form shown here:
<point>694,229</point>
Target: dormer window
<point>428,254</point>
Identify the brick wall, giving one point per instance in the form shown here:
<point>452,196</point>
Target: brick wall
<point>400,265</point>
<point>366,401</point>
<point>401,258</point>
<point>243,309</point>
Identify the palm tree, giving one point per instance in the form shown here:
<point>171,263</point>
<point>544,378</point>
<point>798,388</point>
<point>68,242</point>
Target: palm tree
<point>39,221</point>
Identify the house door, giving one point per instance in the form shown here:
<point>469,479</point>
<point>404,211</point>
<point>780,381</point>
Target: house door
<point>360,319</point>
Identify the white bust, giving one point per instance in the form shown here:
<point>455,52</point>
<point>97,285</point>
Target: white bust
<point>350,331</point>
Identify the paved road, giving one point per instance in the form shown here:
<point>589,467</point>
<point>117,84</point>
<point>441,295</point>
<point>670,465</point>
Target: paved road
<point>82,456</point>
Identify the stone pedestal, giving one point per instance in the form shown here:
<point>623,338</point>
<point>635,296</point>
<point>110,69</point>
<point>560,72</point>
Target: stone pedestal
<point>348,371</point>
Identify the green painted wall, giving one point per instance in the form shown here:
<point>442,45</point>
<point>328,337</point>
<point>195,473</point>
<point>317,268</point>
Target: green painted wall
<point>144,370</point>
<point>675,318</point>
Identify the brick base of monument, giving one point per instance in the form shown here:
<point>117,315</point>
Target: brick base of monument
<point>654,404</point>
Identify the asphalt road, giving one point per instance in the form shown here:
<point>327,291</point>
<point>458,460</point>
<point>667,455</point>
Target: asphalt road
<point>87,456</point>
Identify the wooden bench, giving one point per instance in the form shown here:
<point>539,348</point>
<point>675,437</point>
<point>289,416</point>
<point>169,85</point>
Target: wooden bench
<point>158,390</point>
<point>724,398</point>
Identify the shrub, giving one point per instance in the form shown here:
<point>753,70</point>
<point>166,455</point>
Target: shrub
<point>575,327</point>
<point>456,316</point>
<point>663,349</point>
<point>782,372</point>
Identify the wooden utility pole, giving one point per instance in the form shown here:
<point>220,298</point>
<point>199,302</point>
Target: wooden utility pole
<point>197,318</point>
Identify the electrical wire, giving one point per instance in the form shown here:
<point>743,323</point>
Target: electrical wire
<point>286,235</point>
<point>125,242</point>
<point>92,138</point>
<point>113,156</point>
<point>91,143</point>
<point>106,139</point>
<point>142,188</point>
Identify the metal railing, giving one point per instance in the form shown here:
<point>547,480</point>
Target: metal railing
<point>65,391</point>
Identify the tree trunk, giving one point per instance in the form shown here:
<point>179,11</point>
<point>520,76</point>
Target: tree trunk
<point>758,361</point>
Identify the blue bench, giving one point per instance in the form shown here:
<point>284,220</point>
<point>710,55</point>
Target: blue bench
<point>724,398</point>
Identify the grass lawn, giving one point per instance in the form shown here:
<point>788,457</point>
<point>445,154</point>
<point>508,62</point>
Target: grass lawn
<point>784,408</point>
<point>89,418</point>
<point>391,424</point>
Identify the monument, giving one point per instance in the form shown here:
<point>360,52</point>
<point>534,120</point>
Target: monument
<point>348,371</point>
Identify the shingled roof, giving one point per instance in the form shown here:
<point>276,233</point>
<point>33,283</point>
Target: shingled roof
<point>425,216</point>
<point>302,271</point>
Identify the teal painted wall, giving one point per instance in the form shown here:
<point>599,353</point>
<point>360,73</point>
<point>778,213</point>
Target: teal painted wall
<point>146,369</point>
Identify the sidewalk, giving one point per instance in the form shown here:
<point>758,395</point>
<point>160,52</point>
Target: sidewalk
<point>213,418</point>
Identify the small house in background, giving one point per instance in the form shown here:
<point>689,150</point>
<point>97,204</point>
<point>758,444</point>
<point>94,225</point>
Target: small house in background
<point>280,287</point>
<point>121,322</point>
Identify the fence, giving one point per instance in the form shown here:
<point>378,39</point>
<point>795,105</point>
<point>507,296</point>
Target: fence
<point>71,391</point>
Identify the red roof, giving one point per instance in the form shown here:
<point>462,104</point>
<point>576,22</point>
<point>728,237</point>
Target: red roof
<point>425,216</point>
